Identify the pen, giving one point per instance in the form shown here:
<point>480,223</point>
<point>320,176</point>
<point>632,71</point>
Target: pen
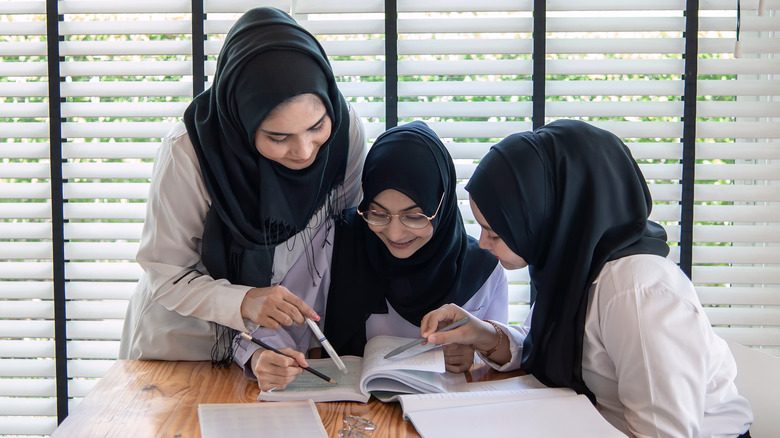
<point>329,348</point>
<point>268,347</point>
<point>419,341</point>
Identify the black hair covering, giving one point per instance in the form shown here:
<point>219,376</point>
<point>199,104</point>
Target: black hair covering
<point>257,203</point>
<point>449,268</point>
<point>266,58</point>
<point>567,199</point>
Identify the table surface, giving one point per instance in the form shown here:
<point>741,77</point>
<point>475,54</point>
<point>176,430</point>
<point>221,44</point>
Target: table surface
<point>160,399</point>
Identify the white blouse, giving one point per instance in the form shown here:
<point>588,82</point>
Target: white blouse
<point>650,355</point>
<point>171,318</point>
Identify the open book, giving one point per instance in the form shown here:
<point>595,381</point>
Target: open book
<point>412,372</point>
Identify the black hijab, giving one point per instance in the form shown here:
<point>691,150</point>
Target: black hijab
<point>449,268</point>
<point>567,199</point>
<point>258,203</point>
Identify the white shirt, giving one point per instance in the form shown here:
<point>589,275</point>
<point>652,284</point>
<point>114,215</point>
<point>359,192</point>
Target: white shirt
<point>650,355</point>
<point>172,320</point>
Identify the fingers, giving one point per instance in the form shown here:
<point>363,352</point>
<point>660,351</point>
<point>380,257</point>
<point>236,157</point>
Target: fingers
<point>431,322</point>
<point>276,371</point>
<point>445,315</point>
<point>297,356</point>
<point>458,358</point>
<point>299,308</point>
<point>274,307</point>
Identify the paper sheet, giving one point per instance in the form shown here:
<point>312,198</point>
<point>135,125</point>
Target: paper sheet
<point>539,418</point>
<point>275,420</point>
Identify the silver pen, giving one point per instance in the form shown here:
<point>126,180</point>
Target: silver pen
<point>329,348</point>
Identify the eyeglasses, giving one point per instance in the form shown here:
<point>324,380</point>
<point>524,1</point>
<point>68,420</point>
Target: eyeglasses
<point>356,427</point>
<point>411,220</point>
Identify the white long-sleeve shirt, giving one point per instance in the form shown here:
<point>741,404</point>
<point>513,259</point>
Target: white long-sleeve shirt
<point>172,318</point>
<point>650,355</point>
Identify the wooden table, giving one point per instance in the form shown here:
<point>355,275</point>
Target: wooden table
<point>160,399</point>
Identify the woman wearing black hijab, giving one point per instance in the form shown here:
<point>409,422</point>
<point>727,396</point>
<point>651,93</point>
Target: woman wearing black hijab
<point>613,318</point>
<point>239,191</point>
<point>402,253</point>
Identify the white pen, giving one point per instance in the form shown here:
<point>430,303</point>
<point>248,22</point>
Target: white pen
<point>329,348</point>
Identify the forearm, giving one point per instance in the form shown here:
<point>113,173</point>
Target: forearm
<point>511,353</point>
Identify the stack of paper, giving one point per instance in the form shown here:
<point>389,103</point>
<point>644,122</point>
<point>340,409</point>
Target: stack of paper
<point>538,413</point>
<point>518,406</point>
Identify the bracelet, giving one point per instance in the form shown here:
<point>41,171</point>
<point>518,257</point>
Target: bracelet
<point>500,334</point>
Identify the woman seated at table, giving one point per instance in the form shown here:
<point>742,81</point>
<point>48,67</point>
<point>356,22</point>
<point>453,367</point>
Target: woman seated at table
<point>613,317</point>
<point>402,253</point>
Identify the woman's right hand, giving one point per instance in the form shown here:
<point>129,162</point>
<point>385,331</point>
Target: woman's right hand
<point>275,371</point>
<point>477,333</point>
<point>274,307</point>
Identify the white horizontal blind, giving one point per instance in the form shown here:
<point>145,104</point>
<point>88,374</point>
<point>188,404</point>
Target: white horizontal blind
<point>736,253</point>
<point>619,66</point>
<point>27,373</point>
<point>623,70</point>
<point>465,69</point>
<point>126,78</point>
<point>351,32</point>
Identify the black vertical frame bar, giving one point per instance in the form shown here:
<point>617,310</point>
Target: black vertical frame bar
<point>391,63</point>
<point>57,200</point>
<point>689,134</point>
<point>539,56</point>
<point>198,50</point>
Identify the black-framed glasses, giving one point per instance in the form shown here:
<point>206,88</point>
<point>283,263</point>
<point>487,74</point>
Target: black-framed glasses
<point>411,220</point>
<point>356,427</point>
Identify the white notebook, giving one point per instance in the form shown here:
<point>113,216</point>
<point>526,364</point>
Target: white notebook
<point>551,415</point>
<point>274,420</point>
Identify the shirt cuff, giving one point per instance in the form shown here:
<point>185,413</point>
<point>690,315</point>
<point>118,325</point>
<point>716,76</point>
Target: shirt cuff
<point>230,299</point>
<point>242,355</point>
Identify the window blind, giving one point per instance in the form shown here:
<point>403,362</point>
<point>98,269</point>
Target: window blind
<point>127,70</point>
<point>736,244</point>
<point>27,385</point>
<point>465,69</point>
<point>126,78</point>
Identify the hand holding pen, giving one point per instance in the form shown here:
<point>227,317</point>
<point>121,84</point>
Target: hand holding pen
<point>276,371</point>
<point>275,306</point>
<point>484,336</point>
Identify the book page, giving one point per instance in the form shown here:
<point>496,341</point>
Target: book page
<point>275,420</point>
<point>520,382</point>
<point>376,348</point>
<point>424,372</point>
<point>309,386</point>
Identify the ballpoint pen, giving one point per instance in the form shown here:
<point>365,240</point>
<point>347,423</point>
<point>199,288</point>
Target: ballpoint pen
<point>251,338</point>
<point>329,348</point>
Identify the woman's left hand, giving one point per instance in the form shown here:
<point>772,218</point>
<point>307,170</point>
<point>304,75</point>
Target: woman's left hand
<point>458,358</point>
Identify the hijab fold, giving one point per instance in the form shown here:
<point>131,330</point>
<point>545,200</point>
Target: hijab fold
<point>365,276</point>
<point>567,198</point>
